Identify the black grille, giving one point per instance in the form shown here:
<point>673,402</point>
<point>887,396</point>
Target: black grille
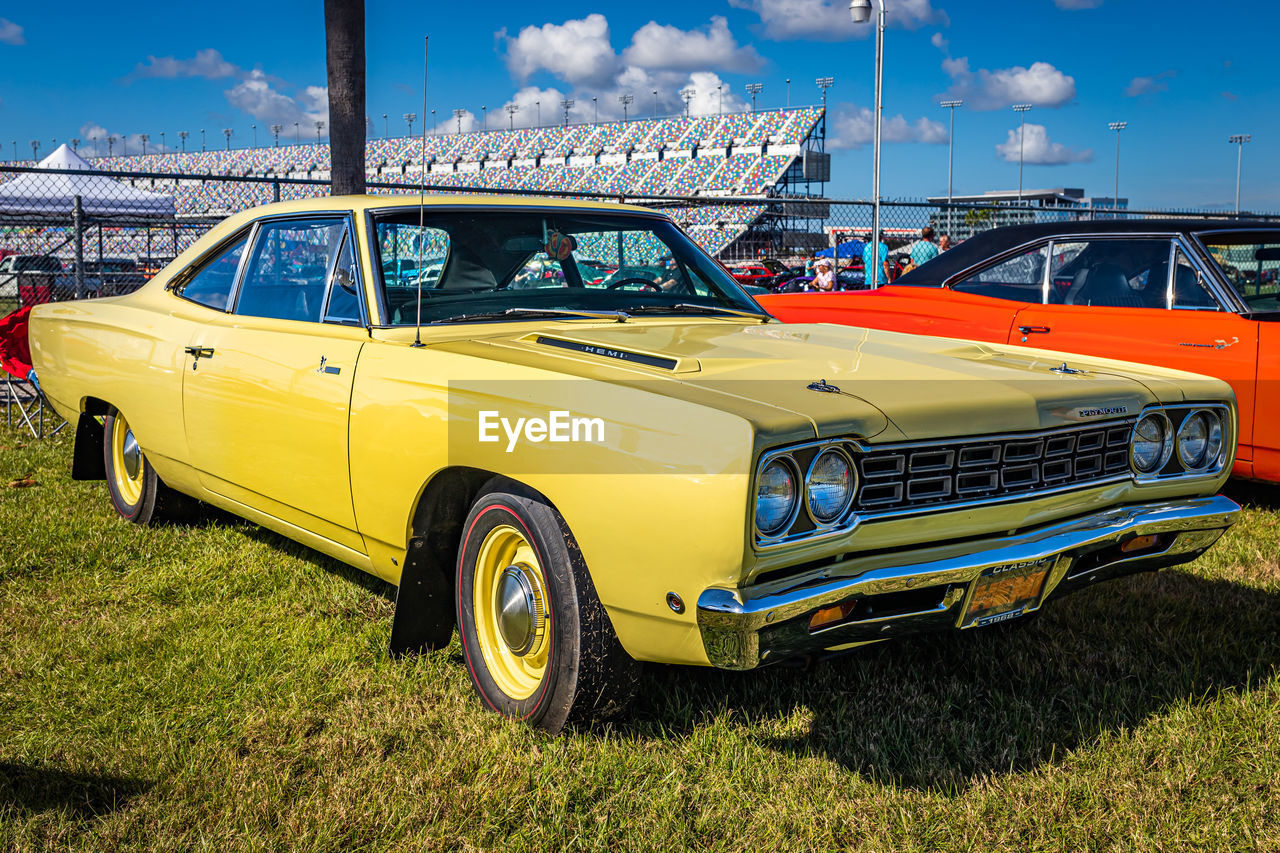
<point>900,477</point>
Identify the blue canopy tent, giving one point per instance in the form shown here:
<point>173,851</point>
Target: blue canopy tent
<point>847,249</point>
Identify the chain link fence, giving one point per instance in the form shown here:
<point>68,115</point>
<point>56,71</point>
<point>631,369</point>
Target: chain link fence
<point>75,234</point>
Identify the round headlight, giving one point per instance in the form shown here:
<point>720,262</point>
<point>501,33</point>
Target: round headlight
<point>829,486</point>
<point>775,497</point>
<point>1199,440</point>
<point>1152,443</point>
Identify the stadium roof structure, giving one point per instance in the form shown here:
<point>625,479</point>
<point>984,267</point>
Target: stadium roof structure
<point>54,192</point>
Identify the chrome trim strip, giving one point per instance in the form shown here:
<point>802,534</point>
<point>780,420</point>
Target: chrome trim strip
<point>731,620</point>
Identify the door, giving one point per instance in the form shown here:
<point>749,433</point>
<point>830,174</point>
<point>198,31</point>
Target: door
<point>1143,300</point>
<point>267,388</point>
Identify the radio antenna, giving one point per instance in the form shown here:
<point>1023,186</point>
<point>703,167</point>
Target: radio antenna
<point>422,192</point>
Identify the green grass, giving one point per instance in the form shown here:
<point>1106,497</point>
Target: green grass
<point>218,687</point>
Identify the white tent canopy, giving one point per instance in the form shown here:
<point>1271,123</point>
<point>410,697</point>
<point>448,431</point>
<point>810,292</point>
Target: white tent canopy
<point>55,192</point>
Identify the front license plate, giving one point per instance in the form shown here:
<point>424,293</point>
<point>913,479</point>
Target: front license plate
<point>1006,592</point>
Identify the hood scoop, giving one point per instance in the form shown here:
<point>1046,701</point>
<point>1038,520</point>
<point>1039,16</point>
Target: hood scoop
<point>661,362</point>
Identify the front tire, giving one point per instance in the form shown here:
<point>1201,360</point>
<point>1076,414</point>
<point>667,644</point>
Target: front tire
<point>136,492</point>
<point>537,641</point>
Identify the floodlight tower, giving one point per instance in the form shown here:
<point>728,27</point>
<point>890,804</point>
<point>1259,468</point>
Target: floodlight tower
<point>228,133</point>
<point>512,109</point>
<point>1239,140</point>
<point>625,100</point>
<point>1117,126</point>
<point>457,115</point>
<point>182,136</point>
<point>825,83</point>
<point>409,119</point>
<point>144,138</point>
<point>319,127</point>
<point>275,132</point>
<point>951,148</point>
<point>1021,110</point>
<point>688,94</point>
<point>567,103</point>
<point>111,144</point>
<point>754,89</point>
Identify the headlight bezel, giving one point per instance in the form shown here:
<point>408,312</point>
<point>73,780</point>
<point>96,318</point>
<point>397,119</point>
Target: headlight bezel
<point>789,518</point>
<point>847,503</point>
<point>1173,466</point>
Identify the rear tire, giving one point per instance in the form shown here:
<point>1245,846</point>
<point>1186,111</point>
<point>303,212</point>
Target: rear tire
<point>536,639</point>
<point>136,492</point>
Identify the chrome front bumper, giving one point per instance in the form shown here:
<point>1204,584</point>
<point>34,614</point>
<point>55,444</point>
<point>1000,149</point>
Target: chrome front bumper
<point>930,589</point>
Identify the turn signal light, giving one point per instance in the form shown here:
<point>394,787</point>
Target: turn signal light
<point>831,615</point>
<point>1137,543</point>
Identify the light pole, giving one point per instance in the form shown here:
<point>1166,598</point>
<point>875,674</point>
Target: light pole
<point>595,109</point>
<point>296,139</point>
<point>386,128</point>
<point>162,145</point>
<point>182,137</point>
<point>1021,110</point>
<point>75,145</point>
<point>111,144</point>
<point>754,89</point>
<point>228,132</point>
<point>458,114</point>
<point>202,146</point>
<point>825,83</point>
<point>319,127</point>
<point>1117,126</point>
<point>409,119</point>
<point>436,131</point>
<point>537,105</point>
<point>655,103</point>
<point>788,93</point>
<point>275,132</point>
<point>860,12</point>
<point>484,116</point>
<point>720,100</point>
<point>512,109</point>
<point>255,135</point>
<point>951,140</point>
<point>35,148</point>
<point>688,95</point>
<point>567,103</point>
<point>1239,140</point>
<point>144,138</point>
<point>625,100</point>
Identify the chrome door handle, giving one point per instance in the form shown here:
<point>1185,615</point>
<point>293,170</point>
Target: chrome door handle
<point>1033,330</point>
<point>198,353</point>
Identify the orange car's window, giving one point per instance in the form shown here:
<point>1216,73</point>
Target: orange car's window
<point>1188,289</point>
<point>1125,273</point>
<point>288,269</point>
<point>1019,279</point>
<point>1250,263</point>
<point>211,286</point>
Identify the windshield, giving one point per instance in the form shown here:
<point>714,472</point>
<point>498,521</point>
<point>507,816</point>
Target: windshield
<point>467,262</point>
<point>1250,261</point>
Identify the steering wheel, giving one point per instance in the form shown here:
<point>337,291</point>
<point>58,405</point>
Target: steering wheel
<point>635,279</point>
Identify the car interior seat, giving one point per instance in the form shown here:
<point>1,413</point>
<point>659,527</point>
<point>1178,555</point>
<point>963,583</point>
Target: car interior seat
<point>1104,284</point>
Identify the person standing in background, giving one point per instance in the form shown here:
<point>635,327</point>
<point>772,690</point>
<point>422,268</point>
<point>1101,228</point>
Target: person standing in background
<point>944,243</point>
<point>923,249</point>
<point>869,261</point>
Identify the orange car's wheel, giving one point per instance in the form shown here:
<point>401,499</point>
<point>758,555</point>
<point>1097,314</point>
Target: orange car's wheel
<point>536,639</point>
<point>136,492</point>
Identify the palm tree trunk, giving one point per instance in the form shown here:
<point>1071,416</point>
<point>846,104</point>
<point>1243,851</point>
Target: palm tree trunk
<point>344,41</point>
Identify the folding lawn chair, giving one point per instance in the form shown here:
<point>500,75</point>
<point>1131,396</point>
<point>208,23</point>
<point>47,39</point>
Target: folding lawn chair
<point>22,399</point>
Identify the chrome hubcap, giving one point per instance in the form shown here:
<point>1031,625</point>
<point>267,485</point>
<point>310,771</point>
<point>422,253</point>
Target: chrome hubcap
<point>521,609</point>
<point>132,455</point>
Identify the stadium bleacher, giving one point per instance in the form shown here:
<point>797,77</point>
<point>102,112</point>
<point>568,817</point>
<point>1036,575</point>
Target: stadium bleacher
<point>700,156</point>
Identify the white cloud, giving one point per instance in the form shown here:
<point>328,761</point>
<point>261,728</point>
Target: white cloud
<point>11,33</point>
<point>939,41</point>
<point>533,102</point>
<point>207,63</point>
<point>1149,85</point>
<point>256,96</point>
<point>467,122</point>
<point>707,99</point>
<point>1077,4</point>
<point>1039,150</point>
<point>854,127</point>
<point>93,142</point>
<point>1041,85</point>
<point>577,51</point>
<point>828,20</point>
<point>658,46</point>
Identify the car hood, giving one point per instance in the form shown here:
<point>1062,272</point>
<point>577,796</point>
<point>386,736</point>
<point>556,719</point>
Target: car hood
<point>826,380</point>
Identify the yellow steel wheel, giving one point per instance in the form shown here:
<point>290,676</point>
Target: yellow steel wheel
<point>510,605</point>
<point>126,458</point>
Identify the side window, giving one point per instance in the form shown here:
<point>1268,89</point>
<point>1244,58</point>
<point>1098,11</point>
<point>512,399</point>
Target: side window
<point>344,301</point>
<point>1019,279</point>
<point>1114,274</point>
<point>211,286</point>
<point>1189,290</point>
<point>288,269</point>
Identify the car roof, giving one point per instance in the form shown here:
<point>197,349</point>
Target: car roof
<point>990,243</point>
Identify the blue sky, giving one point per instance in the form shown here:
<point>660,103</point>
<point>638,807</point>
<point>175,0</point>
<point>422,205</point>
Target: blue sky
<point>1182,76</point>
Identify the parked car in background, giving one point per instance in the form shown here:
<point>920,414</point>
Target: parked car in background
<point>582,477</point>
<point>1193,294</point>
<point>29,278</point>
<point>754,274</point>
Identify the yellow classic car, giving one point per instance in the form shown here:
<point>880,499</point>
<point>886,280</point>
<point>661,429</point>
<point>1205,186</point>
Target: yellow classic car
<point>562,428</point>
